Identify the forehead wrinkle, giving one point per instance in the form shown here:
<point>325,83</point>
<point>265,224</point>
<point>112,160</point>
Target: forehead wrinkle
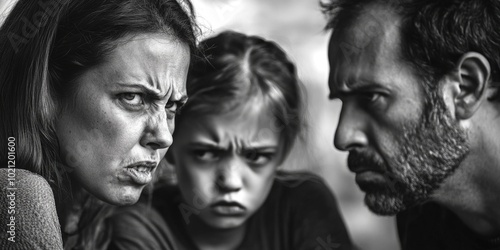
<point>368,63</point>
<point>241,136</point>
<point>159,70</point>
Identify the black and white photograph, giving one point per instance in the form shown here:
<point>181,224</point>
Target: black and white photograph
<point>250,124</point>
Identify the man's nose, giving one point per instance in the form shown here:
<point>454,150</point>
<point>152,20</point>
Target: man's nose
<point>157,134</point>
<point>351,129</point>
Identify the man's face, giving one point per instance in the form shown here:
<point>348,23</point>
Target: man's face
<point>402,141</point>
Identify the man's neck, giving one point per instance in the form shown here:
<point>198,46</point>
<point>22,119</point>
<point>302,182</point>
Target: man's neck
<point>473,194</point>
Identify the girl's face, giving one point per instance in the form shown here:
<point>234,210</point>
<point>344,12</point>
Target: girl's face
<point>117,125</point>
<point>226,164</point>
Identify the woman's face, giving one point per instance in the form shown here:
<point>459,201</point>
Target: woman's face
<point>226,164</point>
<point>118,123</point>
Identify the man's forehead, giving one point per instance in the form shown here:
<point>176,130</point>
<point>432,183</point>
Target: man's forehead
<point>368,46</point>
<point>367,27</point>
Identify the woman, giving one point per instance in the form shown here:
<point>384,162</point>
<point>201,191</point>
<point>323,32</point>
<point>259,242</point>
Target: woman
<point>238,126</point>
<point>89,92</point>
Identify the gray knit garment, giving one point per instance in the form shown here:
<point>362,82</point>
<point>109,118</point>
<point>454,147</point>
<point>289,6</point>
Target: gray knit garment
<point>27,202</point>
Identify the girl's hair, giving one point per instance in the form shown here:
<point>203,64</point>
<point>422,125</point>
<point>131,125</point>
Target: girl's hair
<point>238,69</point>
<point>46,44</point>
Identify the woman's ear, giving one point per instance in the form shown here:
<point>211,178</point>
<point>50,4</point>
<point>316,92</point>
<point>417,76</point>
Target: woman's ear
<point>472,75</point>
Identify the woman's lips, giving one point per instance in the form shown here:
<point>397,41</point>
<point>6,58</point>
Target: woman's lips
<point>139,173</point>
<point>227,208</point>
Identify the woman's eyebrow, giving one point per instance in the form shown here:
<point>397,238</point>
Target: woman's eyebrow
<point>182,100</point>
<point>153,92</point>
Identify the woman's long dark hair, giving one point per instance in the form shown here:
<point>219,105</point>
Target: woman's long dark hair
<point>46,44</point>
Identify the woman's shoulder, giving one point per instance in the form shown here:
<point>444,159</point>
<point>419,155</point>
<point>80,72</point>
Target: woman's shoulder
<point>29,186</point>
<point>31,209</point>
<point>31,189</point>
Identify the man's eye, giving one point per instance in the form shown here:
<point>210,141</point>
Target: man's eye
<point>132,99</point>
<point>371,96</point>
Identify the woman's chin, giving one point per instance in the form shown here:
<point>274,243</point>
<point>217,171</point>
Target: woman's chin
<point>124,198</point>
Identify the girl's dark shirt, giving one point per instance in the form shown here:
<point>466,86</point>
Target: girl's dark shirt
<point>299,213</point>
<point>431,226</point>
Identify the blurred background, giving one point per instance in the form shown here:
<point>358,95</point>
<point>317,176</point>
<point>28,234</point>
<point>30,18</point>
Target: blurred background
<point>297,25</point>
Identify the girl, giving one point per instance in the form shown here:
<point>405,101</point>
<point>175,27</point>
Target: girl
<point>241,120</point>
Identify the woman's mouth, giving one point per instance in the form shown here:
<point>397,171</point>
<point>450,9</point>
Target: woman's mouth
<point>140,173</point>
<point>227,208</point>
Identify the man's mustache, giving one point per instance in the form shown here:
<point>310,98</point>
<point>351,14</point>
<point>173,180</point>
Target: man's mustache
<point>357,160</point>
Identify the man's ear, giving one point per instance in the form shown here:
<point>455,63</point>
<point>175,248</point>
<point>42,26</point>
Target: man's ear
<point>473,73</point>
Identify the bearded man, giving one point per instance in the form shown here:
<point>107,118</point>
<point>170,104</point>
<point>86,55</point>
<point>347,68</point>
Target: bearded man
<point>420,117</point>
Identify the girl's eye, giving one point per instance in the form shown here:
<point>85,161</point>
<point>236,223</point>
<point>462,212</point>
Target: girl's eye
<point>205,155</point>
<point>257,158</point>
<point>132,99</point>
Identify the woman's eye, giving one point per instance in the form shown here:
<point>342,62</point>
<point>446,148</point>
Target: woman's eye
<point>171,106</point>
<point>132,99</point>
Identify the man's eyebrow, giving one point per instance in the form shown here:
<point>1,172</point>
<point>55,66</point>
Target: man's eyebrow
<point>339,89</point>
<point>354,87</point>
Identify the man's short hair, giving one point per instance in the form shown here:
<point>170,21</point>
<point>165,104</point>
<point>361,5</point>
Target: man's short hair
<point>434,33</point>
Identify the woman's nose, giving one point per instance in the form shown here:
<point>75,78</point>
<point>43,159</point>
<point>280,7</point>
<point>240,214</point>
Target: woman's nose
<point>157,134</point>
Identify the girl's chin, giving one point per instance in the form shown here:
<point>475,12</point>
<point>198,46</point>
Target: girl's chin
<point>226,223</point>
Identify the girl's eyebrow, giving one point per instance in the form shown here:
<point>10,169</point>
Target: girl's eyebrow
<point>260,148</point>
<point>206,145</point>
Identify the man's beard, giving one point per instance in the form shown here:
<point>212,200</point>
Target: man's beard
<point>427,153</point>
